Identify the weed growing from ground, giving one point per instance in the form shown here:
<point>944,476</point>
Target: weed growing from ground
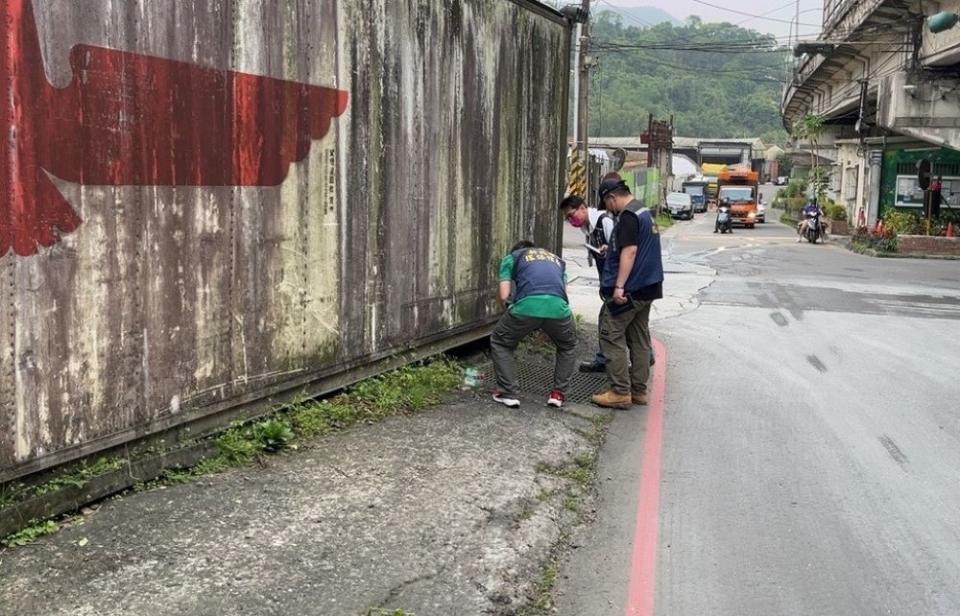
<point>402,391</point>
<point>81,476</point>
<point>542,598</point>
<point>580,474</point>
<point>273,435</point>
<point>31,533</point>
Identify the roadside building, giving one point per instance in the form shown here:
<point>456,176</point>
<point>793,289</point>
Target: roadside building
<point>888,91</point>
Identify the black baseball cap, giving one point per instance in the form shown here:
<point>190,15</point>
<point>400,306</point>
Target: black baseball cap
<point>608,186</point>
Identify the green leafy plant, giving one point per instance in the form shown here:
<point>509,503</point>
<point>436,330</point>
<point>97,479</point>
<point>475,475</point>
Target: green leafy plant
<point>796,188</point>
<point>31,533</point>
<point>794,206</point>
<point>903,223</point>
<point>863,241</point>
<point>236,446</point>
<point>836,212</point>
<point>819,182</point>
<point>664,221</point>
<point>81,476</point>
<point>810,128</point>
<point>273,435</point>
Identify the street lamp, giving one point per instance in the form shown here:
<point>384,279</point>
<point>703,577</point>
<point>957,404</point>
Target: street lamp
<point>575,14</point>
<point>943,21</point>
<point>814,48</point>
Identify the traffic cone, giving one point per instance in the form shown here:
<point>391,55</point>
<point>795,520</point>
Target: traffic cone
<point>950,230</point>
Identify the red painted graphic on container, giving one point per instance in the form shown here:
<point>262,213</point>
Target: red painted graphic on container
<point>128,119</point>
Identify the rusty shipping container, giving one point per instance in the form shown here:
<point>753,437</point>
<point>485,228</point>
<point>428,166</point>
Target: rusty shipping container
<point>209,202</point>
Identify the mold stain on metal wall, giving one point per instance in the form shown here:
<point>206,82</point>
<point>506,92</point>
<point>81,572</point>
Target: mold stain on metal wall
<point>384,230</point>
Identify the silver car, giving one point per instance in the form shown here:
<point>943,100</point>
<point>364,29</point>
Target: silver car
<point>680,205</point>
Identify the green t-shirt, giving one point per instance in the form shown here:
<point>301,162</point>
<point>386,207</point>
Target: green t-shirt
<point>536,306</point>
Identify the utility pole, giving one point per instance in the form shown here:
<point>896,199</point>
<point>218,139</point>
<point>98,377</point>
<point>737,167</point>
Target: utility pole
<point>583,120</point>
<point>797,18</point>
<point>659,142</point>
<point>576,90</point>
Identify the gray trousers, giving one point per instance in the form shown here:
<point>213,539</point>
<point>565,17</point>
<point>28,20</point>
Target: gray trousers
<point>512,329</point>
<point>625,340</point>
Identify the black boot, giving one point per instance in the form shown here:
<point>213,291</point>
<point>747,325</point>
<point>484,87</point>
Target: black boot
<point>592,366</point>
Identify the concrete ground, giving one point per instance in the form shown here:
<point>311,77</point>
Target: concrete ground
<point>453,511</point>
<point>811,440</point>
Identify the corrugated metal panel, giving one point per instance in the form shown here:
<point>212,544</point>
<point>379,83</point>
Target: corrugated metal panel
<point>209,197</point>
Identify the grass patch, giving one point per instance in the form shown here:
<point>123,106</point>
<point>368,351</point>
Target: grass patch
<point>541,601</point>
<point>544,494</point>
<point>664,221</point>
<point>79,477</point>
<point>31,533</point>
<point>580,471</point>
<point>580,475</point>
<point>788,220</point>
<point>403,391</point>
<point>9,495</point>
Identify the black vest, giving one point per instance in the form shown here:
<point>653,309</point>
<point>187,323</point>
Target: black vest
<point>538,272</point>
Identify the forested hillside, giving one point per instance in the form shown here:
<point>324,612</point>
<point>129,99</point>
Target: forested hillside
<point>718,80</point>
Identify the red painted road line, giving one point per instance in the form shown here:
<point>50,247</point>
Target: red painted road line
<point>643,563</point>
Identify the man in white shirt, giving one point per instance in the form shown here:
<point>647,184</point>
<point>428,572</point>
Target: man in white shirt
<point>597,227</point>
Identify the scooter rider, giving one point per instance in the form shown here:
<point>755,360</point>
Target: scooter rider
<point>724,203</point>
<point>809,212</point>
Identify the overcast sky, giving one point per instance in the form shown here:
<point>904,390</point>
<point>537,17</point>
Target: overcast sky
<point>810,16</point>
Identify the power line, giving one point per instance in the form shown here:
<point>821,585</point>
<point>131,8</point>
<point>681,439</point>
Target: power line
<point>755,16</point>
<point>751,74</point>
<point>630,16</point>
<point>735,48</point>
<point>770,12</point>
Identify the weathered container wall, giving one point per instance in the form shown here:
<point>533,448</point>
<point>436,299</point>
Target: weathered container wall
<point>207,198</point>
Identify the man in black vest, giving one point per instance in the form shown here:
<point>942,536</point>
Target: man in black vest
<point>533,285</point>
<point>632,280</point>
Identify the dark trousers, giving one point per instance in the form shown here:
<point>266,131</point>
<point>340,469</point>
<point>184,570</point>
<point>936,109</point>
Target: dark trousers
<point>599,358</point>
<point>625,340</point>
<point>512,329</point>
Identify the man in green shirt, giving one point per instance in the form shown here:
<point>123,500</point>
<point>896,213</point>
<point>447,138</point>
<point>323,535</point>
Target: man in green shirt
<point>533,285</point>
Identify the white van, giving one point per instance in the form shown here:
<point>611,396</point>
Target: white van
<point>680,205</point>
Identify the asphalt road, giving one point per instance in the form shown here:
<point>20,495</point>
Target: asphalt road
<point>810,444</point>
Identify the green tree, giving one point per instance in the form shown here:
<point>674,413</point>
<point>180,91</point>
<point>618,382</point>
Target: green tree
<point>664,70</point>
<point>810,128</point>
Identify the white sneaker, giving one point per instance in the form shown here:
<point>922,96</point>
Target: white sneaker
<point>556,399</point>
<point>505,400</point>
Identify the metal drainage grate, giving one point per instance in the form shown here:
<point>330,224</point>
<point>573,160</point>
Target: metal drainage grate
<point>536,378</point>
